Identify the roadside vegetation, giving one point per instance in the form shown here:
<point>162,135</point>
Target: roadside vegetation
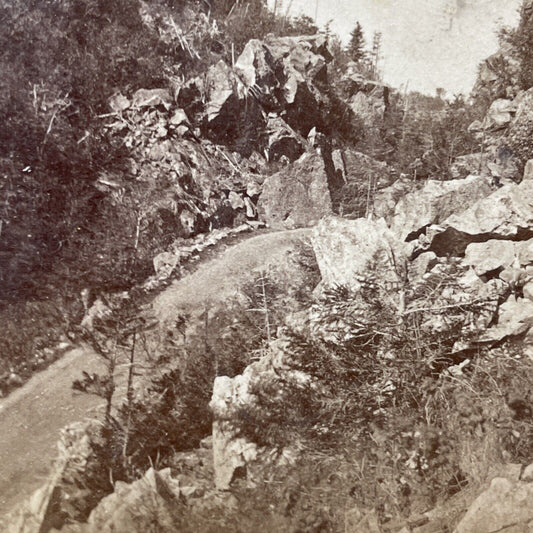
<point>393,418</point>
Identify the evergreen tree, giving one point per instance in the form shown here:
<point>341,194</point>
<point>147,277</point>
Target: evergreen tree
<point>356,46</point>
<point>376,56</point>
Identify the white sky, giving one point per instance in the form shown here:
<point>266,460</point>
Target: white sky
<point>426,43</point>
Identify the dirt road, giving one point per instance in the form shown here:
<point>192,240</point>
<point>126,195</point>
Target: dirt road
<point>30,420</point>
<point>32,416</point>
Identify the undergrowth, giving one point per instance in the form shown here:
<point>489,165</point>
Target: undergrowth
<point>413,421</point>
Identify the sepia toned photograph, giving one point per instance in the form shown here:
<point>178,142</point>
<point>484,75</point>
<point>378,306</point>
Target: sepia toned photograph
<point>266,266</point>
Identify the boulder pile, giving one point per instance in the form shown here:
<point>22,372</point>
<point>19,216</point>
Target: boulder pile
<point>477,237</point>
<point>193,185</point>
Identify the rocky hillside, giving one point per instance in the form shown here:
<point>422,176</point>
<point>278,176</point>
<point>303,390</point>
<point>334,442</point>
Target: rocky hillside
<point>365,368</point>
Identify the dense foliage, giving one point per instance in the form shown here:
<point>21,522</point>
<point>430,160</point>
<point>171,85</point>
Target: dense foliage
<point>61,61</point>
<point>520,40</point>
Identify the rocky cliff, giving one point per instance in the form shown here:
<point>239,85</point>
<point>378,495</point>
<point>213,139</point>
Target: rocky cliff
<point>368,370</point>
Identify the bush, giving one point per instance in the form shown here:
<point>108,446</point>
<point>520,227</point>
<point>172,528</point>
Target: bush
<point>387,390</point>
<point>520,41</point>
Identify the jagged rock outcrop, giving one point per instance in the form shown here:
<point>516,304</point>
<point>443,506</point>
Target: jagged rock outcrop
<point>497,255</point>
<point>182,182</point>
<point>515,318</point>
<point>498,75</point>
<point>505,214</point>
<point>150,504</point>
<point>435,202</point>
<point>499,114</point>
<point>277,75</point>
<point>518,135</point>
<point>283,141</point>
<point>232,404</point>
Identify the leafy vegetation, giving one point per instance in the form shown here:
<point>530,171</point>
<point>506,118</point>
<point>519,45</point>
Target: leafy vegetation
<point>520,40</point>
<point>388,399</point>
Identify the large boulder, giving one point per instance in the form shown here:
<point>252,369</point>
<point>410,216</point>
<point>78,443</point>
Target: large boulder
<point>435,202</point>
<point>150,504</point>
<point>504,506</point>
<point>37,513</point>
<point>348,249</point>
<point>515,319</point>
<point>495,255</point>
<point>499,114</point>
<point>222,86</point>
<point>296,196</point>
<point>505,214</point>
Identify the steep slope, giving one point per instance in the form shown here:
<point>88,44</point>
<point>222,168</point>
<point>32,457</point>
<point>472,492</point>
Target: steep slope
<point>33,416</point>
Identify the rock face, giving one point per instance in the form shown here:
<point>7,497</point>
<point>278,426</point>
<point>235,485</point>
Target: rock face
<point>497,255</point>
<point>435,202</point>
<point>230,452</point>
<point>296,196</point>
<point>233,454</point>
<point>302,58</point>
<point>277,75</point>
<point>505,214</point>
<point>283,141</point>
<point>347,249</point>
<point>504,506</point>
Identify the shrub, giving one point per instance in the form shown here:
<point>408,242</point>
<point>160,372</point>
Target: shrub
<point>521,43</point>
<point>380,387</point>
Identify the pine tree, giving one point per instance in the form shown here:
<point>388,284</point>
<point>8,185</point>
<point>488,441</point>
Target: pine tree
<point>356,46</point>
<point>376,55</point>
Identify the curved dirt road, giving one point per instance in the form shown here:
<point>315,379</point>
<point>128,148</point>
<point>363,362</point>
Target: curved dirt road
<point>32,416</point>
